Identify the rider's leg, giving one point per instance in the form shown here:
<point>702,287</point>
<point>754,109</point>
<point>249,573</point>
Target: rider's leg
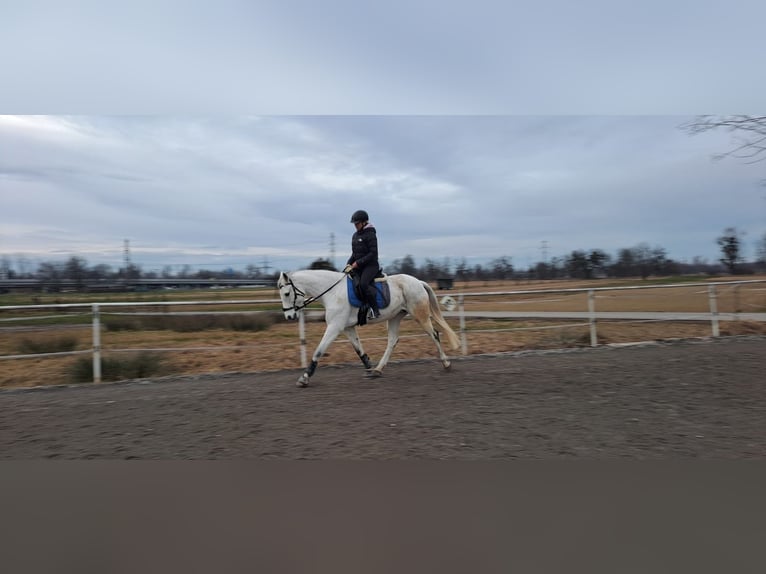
<point>366,280</point>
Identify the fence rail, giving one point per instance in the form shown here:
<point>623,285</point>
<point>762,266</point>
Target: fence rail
<point>591,315</point>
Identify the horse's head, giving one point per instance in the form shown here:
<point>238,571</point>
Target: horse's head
<point>292,297</point>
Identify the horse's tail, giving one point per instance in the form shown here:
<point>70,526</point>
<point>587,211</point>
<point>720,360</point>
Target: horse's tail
<point>436,315</point>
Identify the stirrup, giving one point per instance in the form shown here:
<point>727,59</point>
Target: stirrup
<point>373,313</point>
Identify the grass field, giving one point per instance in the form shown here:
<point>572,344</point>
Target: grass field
<point>229,347</point>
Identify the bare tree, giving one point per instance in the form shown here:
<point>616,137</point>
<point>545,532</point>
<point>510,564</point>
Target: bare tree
<point>749,134</point>
<point>760,250</point>
<point>730,244</point>
<point>21,264</point>
<point>49,274</point>
<point>322,263</point>
<point>462,271</point>
<point>5,267</point>
<point>642,254</point>
<point>76,269</point>
<point>577,265</point>
<point>100,271</point>
<point>405,265</point>
<point>598,260</point>
<point>501,268</point>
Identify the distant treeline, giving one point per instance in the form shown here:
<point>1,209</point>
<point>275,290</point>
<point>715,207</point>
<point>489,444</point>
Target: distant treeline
<point>638,261</point>
<point>579,264</point>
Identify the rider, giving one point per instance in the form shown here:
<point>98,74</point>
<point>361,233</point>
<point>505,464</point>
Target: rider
<point>364,258</point>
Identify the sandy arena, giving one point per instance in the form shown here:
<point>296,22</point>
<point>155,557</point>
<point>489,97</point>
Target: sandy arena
<point>685,399</point>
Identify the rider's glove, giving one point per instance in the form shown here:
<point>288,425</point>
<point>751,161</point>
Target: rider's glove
<point>348,268</point>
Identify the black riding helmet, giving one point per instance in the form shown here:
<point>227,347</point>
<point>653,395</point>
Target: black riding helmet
<point>360,215</point>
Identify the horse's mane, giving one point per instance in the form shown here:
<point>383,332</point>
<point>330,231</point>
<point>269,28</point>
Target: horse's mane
<point>316,272</point>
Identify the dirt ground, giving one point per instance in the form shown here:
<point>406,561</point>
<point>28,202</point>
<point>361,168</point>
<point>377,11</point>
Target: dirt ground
<point>682,399</point>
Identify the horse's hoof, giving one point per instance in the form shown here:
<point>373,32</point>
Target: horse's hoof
<point>373,374</point>
<point>447,366</point>
<point>302,383</point>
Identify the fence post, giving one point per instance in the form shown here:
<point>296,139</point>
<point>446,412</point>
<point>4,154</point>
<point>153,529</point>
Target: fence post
<point>96,344</point>
<point>592,317</point>
<point>302,336</point>
<point>713,309</point>
<point>463,337</point>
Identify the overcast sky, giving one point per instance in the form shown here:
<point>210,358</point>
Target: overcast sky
<point>246,132</point>
<point>228,191</point>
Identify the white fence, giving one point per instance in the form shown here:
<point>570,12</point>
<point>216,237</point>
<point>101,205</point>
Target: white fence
<point>591,315</point>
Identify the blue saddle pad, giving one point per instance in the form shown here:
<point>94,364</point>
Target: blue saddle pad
<point>381,288</point>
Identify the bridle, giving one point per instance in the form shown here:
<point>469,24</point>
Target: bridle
<point>308,300</point>
<point>296,292</point>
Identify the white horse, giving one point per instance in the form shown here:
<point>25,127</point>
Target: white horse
<point>408,295</point>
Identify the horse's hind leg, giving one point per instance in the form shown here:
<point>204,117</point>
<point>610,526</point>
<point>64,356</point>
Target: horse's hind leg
<point>393,339</point>
<point>423,317</point>
<point>353,336</point>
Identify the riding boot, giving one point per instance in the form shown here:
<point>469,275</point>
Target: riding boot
<point>372,301</point>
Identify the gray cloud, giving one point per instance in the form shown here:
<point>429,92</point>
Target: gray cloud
<point>232,190</point>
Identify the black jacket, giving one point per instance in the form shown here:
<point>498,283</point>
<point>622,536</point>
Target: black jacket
<point>364,247</point>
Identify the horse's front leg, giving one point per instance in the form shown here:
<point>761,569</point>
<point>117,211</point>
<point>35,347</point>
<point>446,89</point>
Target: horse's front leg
<point>330,333</point>
<point>353,336</point>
